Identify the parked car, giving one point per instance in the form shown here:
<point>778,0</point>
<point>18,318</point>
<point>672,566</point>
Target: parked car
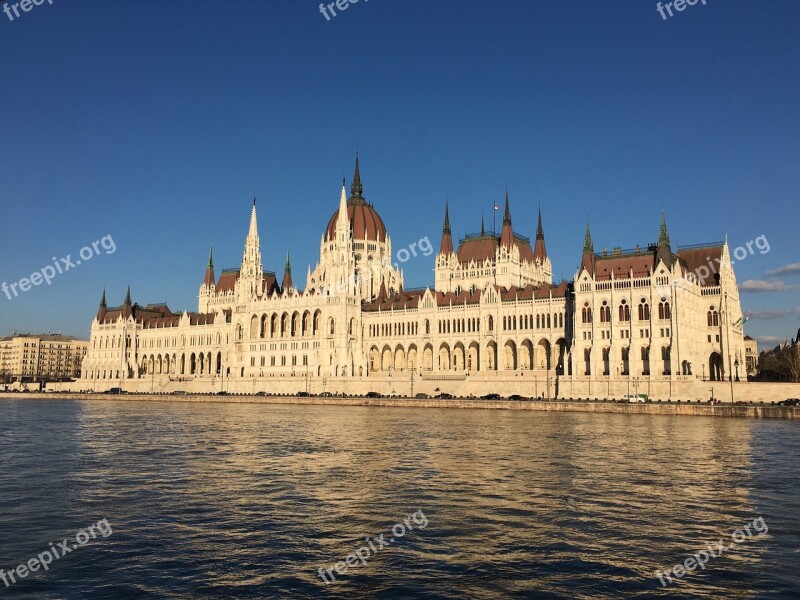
<point>326,395</point>
<point>635,398</point>
<point>515,397</point>
<point>373,394</point>
<point>445,396</point>
<point>303,394</point>
<point>422,395</point>
<point>789,402</point>
<point>490,397</point>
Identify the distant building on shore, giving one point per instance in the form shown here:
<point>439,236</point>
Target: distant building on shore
<point>782,362</point>
<point>654,319</point>
<point>41,357</point>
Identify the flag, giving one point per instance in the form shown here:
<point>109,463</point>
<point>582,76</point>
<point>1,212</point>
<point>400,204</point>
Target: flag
<point>497,207</point>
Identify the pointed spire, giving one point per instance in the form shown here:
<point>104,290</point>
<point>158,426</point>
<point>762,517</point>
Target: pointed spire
<point>663,234</point>
<point>101,311</point>
<point>507,233</point>
<point>251,273</point>
<point>664,252</point>
<point>356,189</point>
<point>588,245</point>
<point>483,231</point>
<point>127,309</point>
<point>539,230</point>
<point>446,246</point>
<point>587,260</point>
<point>209,279</point>
<point>540,250</point>
<point>287,274</point>
<point>253,230</point>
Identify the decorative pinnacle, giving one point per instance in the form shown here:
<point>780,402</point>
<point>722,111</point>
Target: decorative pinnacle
<point>663,234</point>
<point>539,229</point>
<point>588,246</point>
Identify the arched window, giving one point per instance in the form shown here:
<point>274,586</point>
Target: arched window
<point>605,313</point>
<point>587,314</point>
<point>644,310</point>
<point>624,311</point>
<point>664,311</point>
<point>490,323</point>
<point>587,358</point>
<point>713,317</point>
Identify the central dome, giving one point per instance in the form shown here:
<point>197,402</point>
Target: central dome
<point>365,222</point>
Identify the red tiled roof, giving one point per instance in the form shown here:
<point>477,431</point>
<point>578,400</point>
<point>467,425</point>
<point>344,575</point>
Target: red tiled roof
<point>365,222</point>
<point>482,247</point>
<point>227,281</point>
<point>641,265</point>
<point>697,257</point>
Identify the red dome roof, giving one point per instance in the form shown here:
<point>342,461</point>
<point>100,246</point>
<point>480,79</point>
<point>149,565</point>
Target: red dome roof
<point>365,222</point>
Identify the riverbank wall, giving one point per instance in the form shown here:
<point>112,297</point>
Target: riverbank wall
<point>751,410</point>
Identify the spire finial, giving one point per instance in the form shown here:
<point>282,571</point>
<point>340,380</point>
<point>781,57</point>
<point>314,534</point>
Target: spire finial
<point>539,229</point>
<point>588,246</point>
<point>128,296</point>
<point>446,227</point>
<point>254,200</point>
<point>663,234</point>
<point>288,263</point>
<point>483,232</point>
<point>103,299</point>
<point>356,189</point>
<point>211,255</point>
<point>507,213</point>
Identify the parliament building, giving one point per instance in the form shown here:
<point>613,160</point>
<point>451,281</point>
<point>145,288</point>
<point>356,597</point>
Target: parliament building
<point>657,320</point>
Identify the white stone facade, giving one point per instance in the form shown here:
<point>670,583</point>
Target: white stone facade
<point>494,322</point>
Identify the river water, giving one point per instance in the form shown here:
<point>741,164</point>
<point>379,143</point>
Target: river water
<point>237,500</point>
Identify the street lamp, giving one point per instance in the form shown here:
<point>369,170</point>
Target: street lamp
<point>736,364</point>
<point>704,371</point>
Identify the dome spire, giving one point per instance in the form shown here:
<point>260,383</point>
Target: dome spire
<point>356,189</point>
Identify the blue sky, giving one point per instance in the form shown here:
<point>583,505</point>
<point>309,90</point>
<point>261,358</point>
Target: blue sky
<point>157,122</point>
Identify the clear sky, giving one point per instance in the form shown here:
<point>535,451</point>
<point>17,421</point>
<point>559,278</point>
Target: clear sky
<point>157,122</point>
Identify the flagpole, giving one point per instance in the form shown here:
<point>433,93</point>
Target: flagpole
<point>494,218</point>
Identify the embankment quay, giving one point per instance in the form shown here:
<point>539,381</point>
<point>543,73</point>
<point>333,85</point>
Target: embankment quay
<point>764,410</point>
